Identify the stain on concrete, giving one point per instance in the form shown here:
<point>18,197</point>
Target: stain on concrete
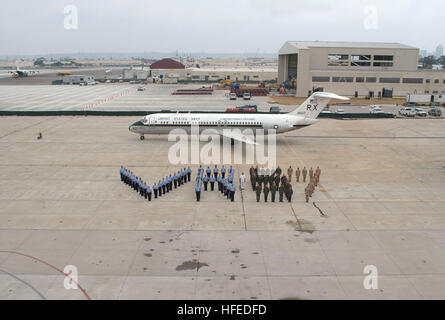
<point>236,251</point>
<point>191,265</point>
<point>147,239</point>
<point>255,253</point>
<point>311,240</point>
<point>306,227</point>
<point>148,255</point>
<point>302,226</point>
<point>232,277</point>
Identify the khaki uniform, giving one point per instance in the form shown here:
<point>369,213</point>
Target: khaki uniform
<point>304,174</point>
<point>311,173</point>
<point>290,173</point>
<point>297,174</point>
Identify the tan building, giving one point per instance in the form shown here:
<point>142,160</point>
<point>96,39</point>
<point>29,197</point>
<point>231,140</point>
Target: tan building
<point>356,69</point>
<point>172,71</point>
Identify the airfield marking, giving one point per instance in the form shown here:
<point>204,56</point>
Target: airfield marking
<point>25,283</point>
<point>49,265</point>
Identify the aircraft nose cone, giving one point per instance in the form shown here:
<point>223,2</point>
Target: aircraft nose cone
<point>135,125</point>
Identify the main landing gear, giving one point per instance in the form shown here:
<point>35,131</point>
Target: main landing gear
<point>142,137</point>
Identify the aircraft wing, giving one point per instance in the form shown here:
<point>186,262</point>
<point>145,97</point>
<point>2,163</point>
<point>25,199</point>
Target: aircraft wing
<point>238,136</point>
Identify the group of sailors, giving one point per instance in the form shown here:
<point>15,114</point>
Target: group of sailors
<point>314,180</point>
<point>164,186</point>
<point>212,176</point>
<point>272,181</point>
<point>136,183</point>
<point>174,180</point>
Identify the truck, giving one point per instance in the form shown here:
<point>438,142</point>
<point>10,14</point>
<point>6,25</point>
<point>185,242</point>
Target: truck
<point>77,79</point>
<point>419,99</point>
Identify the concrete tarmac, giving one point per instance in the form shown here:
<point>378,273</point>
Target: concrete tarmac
<point>62,201</point>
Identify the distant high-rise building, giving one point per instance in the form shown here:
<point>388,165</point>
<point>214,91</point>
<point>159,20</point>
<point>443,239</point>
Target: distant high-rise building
<point>439,51</point>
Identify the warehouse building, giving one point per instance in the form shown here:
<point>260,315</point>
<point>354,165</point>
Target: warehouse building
<point>356,69</point>
<point>172,71</point>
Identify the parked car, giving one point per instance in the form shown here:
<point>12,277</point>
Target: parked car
<point>246,96</point>
<point>326,110</point>
<point>407,112</point>
<point>341,111</point>
<point>435,112</point>
<point>232,96</point>
<point>376,110</point>
<point>420,112</point>
<point>141,88</point>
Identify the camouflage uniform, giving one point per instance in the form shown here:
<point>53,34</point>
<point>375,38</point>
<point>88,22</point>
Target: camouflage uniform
<point>266,192</point>
<point>281,191</point>
<point>273,191</point>
<point>258,193</point>
<point>289,192</point>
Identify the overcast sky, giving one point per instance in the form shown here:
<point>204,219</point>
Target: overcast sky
<point>222,26</point>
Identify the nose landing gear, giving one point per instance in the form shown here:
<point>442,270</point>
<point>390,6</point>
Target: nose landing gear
<point>142,137</point>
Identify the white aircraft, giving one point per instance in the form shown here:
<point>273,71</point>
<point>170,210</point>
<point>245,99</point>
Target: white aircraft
<point>219,123</point>
<point>18,73</point>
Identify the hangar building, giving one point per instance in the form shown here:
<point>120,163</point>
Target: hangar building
<point>356,69</point>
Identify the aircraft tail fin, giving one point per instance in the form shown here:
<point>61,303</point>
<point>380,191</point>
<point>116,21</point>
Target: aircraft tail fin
<point>314,105</point>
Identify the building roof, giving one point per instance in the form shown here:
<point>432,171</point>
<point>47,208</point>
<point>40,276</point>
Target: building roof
<point>242,69</point>
<point>293,46</point>
<point>167,64</point>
